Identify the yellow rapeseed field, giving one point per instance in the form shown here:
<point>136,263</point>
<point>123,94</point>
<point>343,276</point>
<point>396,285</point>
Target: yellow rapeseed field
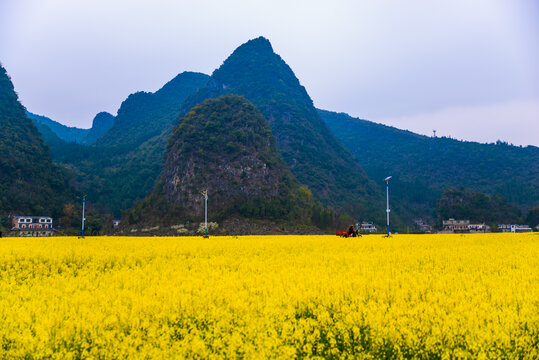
<point>409,296</point>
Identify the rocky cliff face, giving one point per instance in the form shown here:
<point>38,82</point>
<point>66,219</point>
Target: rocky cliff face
<point>226,147</point>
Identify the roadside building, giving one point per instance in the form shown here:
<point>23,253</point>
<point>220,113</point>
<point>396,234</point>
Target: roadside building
<point>366,227</point>
<point>453,225</point>
<point>514,228</point>
<point>473,228</point>
<point>422,226</point>
<point>32,226</point>
<point>463,226</point>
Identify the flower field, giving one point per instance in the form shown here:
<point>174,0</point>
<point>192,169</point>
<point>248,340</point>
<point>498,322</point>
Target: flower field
<point>409,296</point>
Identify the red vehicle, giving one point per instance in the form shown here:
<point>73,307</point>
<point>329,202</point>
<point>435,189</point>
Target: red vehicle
<point>347,233</point>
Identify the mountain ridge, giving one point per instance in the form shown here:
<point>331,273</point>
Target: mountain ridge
<point>424,167</point>
<point>123,164</point>
<point>313,154</point>
<point>71,134</point>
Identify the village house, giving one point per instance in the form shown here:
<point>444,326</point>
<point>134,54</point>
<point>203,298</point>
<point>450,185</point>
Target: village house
<point>32,226</point>
<point>366,227</point>
<point>457,226</point>
<point>422,226</point>
<point>514,228</point>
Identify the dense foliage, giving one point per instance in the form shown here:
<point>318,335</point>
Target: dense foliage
<point>30,183</point>
<point>225,146</point>
<point>532,218</point>
<point>312,153</point>
<point>475,206</point>
<point>424,167</point>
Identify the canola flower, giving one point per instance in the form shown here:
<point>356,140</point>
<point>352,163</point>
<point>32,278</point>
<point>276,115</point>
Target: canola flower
<point>259,297</point>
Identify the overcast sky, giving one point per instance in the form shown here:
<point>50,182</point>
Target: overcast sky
<point>469,69</point>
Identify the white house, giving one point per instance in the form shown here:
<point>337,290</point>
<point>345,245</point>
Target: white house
<point>32,225</point>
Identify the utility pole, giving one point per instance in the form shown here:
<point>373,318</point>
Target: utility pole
<point>83,218</point>
<point>386,180</point>
<point>205,194</point>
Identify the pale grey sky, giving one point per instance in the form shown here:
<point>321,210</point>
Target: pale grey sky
<point>469,69</point>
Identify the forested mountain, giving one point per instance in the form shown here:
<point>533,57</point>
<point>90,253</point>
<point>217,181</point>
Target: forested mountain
<point>225,145</point>
<point>29,182</point>
<point>312,153</point>
<point>101,124</point>
<point>124,163</point>
<point>424,167</point>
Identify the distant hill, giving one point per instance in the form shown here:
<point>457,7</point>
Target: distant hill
<point>225,146</point>
<point>66,133</point>
<point>30,183</point>
<point>312,153</point>
<point>424,167</point>
<point>101,124</point>
<point>143,115</point>
<point>477,207</point>
<point>123,164</point>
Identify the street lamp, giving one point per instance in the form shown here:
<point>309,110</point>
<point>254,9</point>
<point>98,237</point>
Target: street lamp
<point>386,180</point>
<point>205,194</point>
<point>83,208</point>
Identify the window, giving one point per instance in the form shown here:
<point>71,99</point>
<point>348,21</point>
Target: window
<point>23,226</point>
<point>49,220</point>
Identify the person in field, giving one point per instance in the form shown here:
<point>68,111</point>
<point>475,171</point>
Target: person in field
<point>351,231</point>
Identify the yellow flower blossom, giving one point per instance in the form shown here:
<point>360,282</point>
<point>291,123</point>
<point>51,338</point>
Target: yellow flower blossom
<point>281,297</point>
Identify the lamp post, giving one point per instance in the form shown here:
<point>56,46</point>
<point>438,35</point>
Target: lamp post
<point>386,180</point>
<point>205,194</point>
<point>83,208</point>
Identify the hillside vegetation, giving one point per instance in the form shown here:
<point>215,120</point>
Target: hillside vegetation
<point>29,181</point>
<point>477,207</point>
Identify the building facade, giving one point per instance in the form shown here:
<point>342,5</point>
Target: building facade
<point>32,226</point>
<point>366,227</point>
<point>458,226</point>
<point>514,228</point>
